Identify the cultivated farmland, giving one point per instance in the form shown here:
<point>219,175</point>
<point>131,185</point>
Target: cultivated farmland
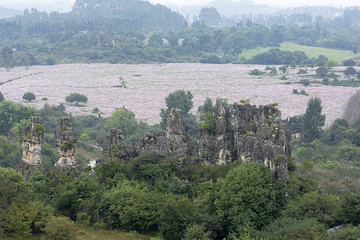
<point>311,52</point>
<point>147,85</point>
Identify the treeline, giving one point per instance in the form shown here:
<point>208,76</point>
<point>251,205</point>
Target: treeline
<point>137,31</point>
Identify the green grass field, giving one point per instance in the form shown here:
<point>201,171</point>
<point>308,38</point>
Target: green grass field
<point>336,55</point>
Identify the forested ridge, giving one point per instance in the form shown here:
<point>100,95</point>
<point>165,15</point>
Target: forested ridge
<point>137,31</point>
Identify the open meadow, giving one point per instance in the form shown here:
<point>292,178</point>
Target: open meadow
<point>311,52</point>
<point>147,85</point>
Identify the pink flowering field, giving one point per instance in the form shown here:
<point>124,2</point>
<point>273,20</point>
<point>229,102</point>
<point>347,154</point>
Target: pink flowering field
<point>147,85</point>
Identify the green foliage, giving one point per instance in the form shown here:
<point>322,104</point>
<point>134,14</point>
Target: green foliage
<point>291,228</point>
<point>248,196</point>
<point>207,106</point>
<point>349,62</point>
<point>351,209</point>
<point>11,113</point>
<point>213,59</point>
<point>256,72</point>
<point>284,68</point>
<point>180,100</point>
<point>124,120</point>
<point>60,228</point>
<point>29,96</point>
<point>273,72</point>
<point>175,216</point>
<point>7,57</point>
<point>305,82</point>
<point>67,145</point>
<point>196,232</point>
<point>151,167</point>
<point>350,232</point>
<point>322,71</point>
<point>302,71</point>
<point>208,122</point>
<point>313,120</point>
<point>324,208</point>
<point>132,207</point>
<point>76,97</point>
<point>350,71</point>
<point>276,56</point>
<point>10,153</point>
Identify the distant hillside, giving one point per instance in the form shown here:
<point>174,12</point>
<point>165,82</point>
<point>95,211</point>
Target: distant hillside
<point>7,13</point>
<point>229,8</point>
<point>134,12</point>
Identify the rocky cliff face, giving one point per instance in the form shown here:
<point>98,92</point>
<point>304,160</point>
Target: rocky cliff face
<point>217,147</point>
<point>156,142</point>
<point>179,142</point>
<point>65,141</point>
<point>261,136</point>
<point>175,142</point>
<point>115,147</point>
<point>31,146</point>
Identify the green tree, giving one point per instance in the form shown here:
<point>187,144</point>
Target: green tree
<point>11,113</point>
<point>60,228</point>
<point>210,16</point>
<point>350,71</point>
<point>248,196</point>
<point>181,100</point>
<point>124,120</point>
<point>351,209</point>
<point>313,121</point>
<point>174,217</point>
<point>29,96</point>
<point>284,68</point>
<point>323,207</point>
<point>285,228</point>
<point>76,97</point>
<point>7,57</point>
<point>2,98</point>
<point>207,107</point>
<point>322,71</point>
<point>349,62</point>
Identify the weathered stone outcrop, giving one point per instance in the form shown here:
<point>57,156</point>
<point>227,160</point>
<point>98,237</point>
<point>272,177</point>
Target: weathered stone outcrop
<point>175,142</point>
<point>115,147</point>
<point>31,145</point>
<point>261,136</point>
<point>217,146</point>
<point>156,142</point>
<point>179,143</point>
<point>65,142</point>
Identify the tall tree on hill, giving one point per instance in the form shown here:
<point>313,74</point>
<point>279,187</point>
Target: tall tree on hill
<point>313,120</point>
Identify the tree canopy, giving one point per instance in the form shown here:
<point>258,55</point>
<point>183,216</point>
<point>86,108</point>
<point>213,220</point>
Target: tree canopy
<point>76,97</point>
<point>29,96</point>
<point>313,120</point>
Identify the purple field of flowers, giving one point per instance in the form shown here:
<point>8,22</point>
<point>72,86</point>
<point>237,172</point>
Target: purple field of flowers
<point>147,85</point>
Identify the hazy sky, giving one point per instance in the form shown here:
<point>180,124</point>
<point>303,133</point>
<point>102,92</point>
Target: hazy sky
<point>187,2</point>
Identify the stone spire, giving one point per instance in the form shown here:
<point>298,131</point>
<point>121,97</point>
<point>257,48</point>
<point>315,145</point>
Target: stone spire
<point>179,142</point>
<point>31,146</point>
<point>261,136</point>
<point>65,141</point>
<point>217,146</point>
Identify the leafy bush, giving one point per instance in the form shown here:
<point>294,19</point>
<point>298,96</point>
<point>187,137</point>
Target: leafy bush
<point>256,72</point>
<point>213,59</point>
<point>208,122</point>
<point>29,96</point>
<point>60,228</point>
<point>305,82</point>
